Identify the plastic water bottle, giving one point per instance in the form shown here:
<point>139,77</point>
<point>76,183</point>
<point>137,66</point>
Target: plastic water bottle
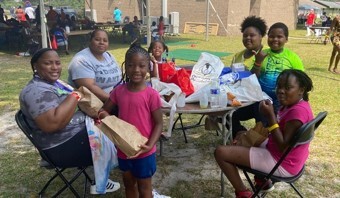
<point>215,94</point>
<point>223,100</point>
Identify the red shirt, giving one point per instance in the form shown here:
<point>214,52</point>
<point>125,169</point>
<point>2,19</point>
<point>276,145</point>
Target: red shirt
<point>310,19</point>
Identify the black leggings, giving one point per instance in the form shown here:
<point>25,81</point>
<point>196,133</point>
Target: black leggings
<point>243,114</point>
<point>247,113</point>
<point>75,152</point>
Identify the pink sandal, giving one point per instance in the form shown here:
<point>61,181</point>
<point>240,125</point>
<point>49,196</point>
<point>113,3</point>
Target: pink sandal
<point>244,194</point>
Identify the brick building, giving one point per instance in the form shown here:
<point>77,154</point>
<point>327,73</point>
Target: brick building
<point>231,12</point>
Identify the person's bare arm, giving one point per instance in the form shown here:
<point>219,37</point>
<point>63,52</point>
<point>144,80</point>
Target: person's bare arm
<point>157,117</point>
<point>259,58</point>
<point>106,109</point>
<point>154,72</point>
<point>282,139</point>
<point>156,133</point>
<point>93,87</point>
<point>57,118</point>
<point>334,21</point>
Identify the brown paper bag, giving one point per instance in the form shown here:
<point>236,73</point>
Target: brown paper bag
<point>90,103</point>
<point>253,137</point>
<point>123,134</point>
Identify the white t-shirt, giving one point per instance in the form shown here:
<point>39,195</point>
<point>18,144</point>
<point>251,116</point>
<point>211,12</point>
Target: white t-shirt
<point>153,31</point>
<point>106,73</point>
<point>30,12</point>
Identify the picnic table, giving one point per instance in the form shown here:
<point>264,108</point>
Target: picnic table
<point>113,29</point>
<point>84,37</point>
<point>318,34</point>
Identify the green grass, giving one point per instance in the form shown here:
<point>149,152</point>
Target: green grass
<point>20,175</point>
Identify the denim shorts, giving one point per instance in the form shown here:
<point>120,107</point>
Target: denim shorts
<point>140,168</point>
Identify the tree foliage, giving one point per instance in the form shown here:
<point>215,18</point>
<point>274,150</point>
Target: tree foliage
<point>78,5</point>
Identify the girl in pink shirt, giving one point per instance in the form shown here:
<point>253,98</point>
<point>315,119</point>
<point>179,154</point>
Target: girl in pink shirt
<point>292,92</point>
<point>139,105</point>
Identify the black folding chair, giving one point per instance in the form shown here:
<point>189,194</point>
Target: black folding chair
<point>23,125</point>
<point>304,135</point>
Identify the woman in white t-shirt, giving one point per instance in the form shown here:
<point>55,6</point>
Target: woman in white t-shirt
<point>95,68</point>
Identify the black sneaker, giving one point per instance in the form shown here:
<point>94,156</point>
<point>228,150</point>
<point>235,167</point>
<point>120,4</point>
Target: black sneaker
<point>267,187</point>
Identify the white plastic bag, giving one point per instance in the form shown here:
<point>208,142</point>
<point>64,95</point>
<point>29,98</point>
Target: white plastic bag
<point>104,154</point>
<point>195,97</point>
<point>246,90</point>
<point>207,68</point>
<point>166,89</point>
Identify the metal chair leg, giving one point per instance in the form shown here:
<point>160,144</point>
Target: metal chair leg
<point>49,182</point>
<point>296,190</point>
<point>68,184</point>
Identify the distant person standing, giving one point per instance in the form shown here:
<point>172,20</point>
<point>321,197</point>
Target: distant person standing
<point>37,15</point>
<point>334,33</point>
<point>324,19</point>
<point>310,21</point>
<point>154,30</point>
<point>52,17</point>
<point>2,12</point>
<point>30,12</point>
<point>161,28</point>
<point>20,14</point>
<point>117,15</point>
<point>11,11</point>
<point>62,18</point>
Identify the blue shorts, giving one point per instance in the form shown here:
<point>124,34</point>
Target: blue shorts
<point>140,168</point>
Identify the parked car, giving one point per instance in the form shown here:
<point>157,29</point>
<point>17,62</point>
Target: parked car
<point>67,10</point>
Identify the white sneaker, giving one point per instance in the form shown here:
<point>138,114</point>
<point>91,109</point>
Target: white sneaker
<point>155,194</point>
<point>111,186</point>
